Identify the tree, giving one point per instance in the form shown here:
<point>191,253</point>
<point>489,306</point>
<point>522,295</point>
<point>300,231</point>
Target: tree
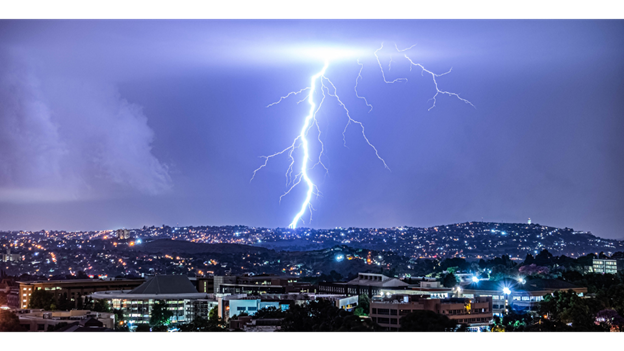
<point>120,320</point>
<point>200,324</point>
<point>101,305</point>
<point>498,325</point>
<point>269,312</point>
<point>142,328</point>
<point>449,280</point>
<point>160,314</point>
<point>611,319</point>
<point>9,322</point>
<point>323,315</point>
<point>533,269</point>
<point>515,321</point>
<point>427,321</point>
<point>567,307</point>
<point>82,275</point>
<point>544,258</point>
<point>64,304</point>
<point>160,328</point>
<point>364,302</point>
<point>213,315</point>
<point>41,299</point>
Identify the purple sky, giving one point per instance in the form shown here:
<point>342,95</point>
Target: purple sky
<point>108,124</point>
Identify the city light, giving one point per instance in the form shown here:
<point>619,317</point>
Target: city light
<point>506,291</point>
<point>475,279</point>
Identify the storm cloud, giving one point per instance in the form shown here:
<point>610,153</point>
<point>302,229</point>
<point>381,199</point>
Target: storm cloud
<point>69,139</point>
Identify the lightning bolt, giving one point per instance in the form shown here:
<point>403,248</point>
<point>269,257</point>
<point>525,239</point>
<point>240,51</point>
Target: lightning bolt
<point>356,84</point>
<point>304,142</point>
<point>327,88</point>
<point>435,82</point>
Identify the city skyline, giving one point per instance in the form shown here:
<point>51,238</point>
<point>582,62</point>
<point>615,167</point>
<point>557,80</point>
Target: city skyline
<point>188,99</point>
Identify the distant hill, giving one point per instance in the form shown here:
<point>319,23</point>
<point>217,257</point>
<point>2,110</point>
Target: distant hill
<point>186,247</point>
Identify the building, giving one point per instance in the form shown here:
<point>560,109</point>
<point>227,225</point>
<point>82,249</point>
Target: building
<point>370,284</point>
<point>249,324</point>
<point>222,279</point>
<point>253,284</point>
<point>85,325</point>
<point>40,320</point>
<point>348,303</point>
<point>73,289</point>
<point>608,266</point>
<point>13,297</point>
<point>520,296</point>
<point>233,305</point>
<point>122,234</point>
<point>176,291</point>
<point>388,311</point>
<point>431,288</point>
<point>10,257</point>
<point>204,284</point>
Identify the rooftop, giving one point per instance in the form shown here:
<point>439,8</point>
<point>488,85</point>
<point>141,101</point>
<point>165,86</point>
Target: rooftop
<point>379,280</point>
<point>529,286</point>
<point>165,284</point>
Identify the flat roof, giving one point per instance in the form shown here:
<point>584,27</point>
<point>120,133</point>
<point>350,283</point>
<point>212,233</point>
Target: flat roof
<point>120,280</point>
<point>125,295</point>
<point>533,285</point>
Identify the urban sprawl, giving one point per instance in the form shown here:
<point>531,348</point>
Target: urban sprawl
<point>475,276</point>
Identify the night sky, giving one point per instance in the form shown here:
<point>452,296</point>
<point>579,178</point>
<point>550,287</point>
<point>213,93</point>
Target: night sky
<point>109,124</point>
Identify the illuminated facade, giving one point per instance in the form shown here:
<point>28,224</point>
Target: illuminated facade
<point>607,266</point>
<point>176,291</point>
<point>388,311</point>
<point>73,289</point>
<point>520,296</point>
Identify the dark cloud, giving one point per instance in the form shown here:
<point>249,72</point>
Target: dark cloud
<point>64,139</point>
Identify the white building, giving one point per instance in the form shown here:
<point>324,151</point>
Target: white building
<point>178,293</point>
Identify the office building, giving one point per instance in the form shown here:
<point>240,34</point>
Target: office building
<point>388,311</point>
<point>73,289</point>
<point>520,296</point>
<point>608,266</point>
<point>176,291</point>
<point>370,284</point>
<point>232,305</point>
